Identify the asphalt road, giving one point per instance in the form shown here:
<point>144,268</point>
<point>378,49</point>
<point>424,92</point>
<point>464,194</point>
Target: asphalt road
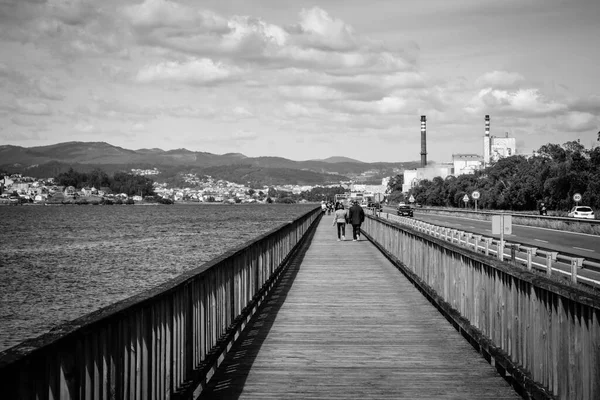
<point>567,243</point>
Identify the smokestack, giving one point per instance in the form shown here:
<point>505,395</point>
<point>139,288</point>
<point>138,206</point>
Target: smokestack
<point>423,142</point>
<point>487,125</point>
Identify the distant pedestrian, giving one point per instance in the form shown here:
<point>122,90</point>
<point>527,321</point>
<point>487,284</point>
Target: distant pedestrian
<point>323,207</point>
<point>340,219</point>
<point>356,216</point>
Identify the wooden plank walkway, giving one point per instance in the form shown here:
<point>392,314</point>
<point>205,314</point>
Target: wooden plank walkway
<point>344,323</point>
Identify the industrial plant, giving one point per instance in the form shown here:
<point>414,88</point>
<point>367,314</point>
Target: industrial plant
<point>494,148</point>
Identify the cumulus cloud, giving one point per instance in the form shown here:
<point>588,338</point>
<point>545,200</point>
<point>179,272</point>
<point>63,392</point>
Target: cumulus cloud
<point>195,71</point>
<point>154,14</point>
<point>319,30</point>
<point>522,102</point>
<point>500,80</point>
<point>578,122</point>
<point>318,40</point>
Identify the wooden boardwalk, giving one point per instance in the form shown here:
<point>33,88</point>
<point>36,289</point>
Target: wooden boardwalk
<point>344,323</point>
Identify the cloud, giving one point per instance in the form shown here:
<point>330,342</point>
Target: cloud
<point>500,80</point>
<point>156,14</point>
<point>47,88</point>
<point>387,105</point>
<point>194,71</point>
<point>244,135</point>
<point>575,121</point>
<point>32,107</point>
<point>310,92</point>
<point>138,127</point>
<point>185,111</point>
<point>317,29</point>
<point>522,102</point>
<point>242,112</point>
<point>84,127</point>
<point>317,41</point>
<point>590,104</point>
<point>296,110</point>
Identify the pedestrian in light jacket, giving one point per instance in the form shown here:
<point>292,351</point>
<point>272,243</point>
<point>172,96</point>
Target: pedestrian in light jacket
<point>356,216</point>
<point>339,218</point>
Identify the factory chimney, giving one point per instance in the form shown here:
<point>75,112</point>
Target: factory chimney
<point>487,143</point>
<point>423,142</point>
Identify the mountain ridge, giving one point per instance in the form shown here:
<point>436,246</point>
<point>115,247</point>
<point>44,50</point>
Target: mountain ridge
<point>272,169</point>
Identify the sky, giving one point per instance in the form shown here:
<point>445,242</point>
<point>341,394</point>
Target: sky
<point>298,79</point>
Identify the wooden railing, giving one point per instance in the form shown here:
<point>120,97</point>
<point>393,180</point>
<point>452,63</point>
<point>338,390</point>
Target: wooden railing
<point>162,344</point>
<point>543,336</point>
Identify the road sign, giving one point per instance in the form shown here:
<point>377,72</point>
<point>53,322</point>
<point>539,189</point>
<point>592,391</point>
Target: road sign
<point>502,224</point>
<point>577,197</point>
<point>475,195</point>
<point>378,197</point>
<point>411,199</point>
<point>466,198</point>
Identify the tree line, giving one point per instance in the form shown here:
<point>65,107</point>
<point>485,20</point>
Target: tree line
<point>119,182</point>
<point>551,176</point>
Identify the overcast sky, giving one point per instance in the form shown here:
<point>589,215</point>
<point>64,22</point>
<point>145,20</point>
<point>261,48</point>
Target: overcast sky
<point>300,79</point>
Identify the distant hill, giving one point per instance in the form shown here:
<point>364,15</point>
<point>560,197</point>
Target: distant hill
<point>340,160</point>
<point>47,161</point>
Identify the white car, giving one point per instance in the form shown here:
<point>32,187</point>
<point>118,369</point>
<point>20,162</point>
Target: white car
<point>582,212</point>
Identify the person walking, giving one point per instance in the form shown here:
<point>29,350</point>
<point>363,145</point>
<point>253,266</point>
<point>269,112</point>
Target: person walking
<point>356,216</point>
<point>339,218</point>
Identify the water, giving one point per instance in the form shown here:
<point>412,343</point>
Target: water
<point>58,263</point>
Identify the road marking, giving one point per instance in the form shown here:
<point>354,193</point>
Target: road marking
<point>540,240</point>
<point>581,248</point>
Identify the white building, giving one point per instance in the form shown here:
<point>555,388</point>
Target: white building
<point>466,163</point>
<point>414,176</point>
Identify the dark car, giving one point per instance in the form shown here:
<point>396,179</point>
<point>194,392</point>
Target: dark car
<point>405,211</point>
<point>375,205</point>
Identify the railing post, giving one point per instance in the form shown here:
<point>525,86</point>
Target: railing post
<point>500,250</point>
<point>487,241</point>
<point>576,263</point>
<point>550,256</point>
<point>513,252</point>
<point>531,251</point>
<point>476,240</point>
<point>468,236</point>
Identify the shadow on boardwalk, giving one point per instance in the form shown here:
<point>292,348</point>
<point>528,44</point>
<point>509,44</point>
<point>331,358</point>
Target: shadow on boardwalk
<point>344,323</point>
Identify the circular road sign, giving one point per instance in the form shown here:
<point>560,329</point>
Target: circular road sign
<point>466,198</point>
<point>577,197</point>
<point>411,199</point>
<point>475,195</point>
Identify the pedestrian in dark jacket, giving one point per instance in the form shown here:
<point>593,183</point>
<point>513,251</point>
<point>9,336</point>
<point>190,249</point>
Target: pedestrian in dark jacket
<point>356,216</point>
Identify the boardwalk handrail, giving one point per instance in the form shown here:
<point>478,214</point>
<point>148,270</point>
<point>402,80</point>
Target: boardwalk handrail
<point>161,344</point>
<point>543,335</point>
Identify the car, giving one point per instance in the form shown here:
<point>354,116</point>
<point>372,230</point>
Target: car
<point>405,210</point>
<point>375,205</point>
<point>582,212</point>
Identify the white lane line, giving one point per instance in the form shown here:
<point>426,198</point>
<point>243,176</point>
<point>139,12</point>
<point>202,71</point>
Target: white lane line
<point>540,240</point>
<point>581,248</point>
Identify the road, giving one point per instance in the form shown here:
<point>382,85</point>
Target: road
<point>567,243</point>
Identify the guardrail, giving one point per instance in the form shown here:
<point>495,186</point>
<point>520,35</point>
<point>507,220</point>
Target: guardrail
<point>590,226</point>
<point>542,336</point>
<point>162,344</point>
<point>577,269</point>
